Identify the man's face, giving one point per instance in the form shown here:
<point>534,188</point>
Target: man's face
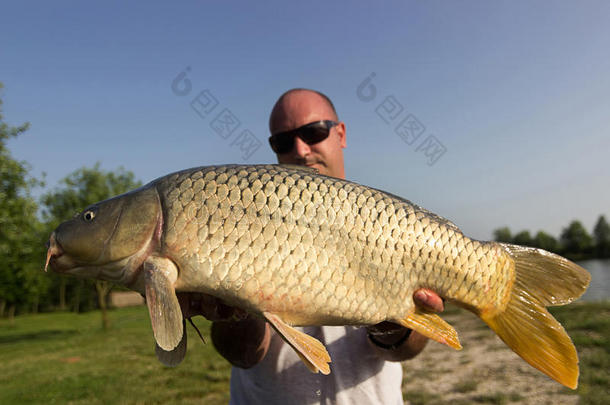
<point>300,108</point>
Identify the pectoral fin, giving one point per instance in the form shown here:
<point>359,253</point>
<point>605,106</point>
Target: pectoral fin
<point>310,350</point>
<point>173,357</point>
<point>432,326</point>
<point>163,307</point>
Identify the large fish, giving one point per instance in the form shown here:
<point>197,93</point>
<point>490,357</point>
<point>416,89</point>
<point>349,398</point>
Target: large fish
<point>297,248</point>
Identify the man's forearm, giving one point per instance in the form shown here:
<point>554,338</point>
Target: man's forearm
<point>395,343</point>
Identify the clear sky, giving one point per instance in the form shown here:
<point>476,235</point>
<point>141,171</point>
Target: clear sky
<point>515,93</point>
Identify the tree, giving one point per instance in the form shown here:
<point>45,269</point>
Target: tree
<point>545,241</point>
<point>523,238</point>
<point>79,189</point>
<point>601,235</point>
<point>21,281</point>
<point>575,240</point>
<point>503,235</point>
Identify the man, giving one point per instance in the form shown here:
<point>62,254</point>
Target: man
<point>364,370</point>
<point>306,131</point>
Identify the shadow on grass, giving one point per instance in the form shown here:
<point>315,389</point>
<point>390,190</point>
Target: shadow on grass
<point>42,335</point>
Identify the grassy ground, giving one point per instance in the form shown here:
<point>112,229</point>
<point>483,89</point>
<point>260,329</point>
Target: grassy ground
<point>589,326</point>
<point>67,358</point>
<point>487,372</point>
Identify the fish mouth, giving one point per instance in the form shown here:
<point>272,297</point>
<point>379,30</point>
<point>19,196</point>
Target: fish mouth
<point>54,252</point>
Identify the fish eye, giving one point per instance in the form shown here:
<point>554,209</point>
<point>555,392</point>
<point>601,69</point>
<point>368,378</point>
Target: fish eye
<point>88,215</point>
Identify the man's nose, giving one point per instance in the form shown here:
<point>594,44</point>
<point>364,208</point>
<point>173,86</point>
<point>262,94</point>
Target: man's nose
<point>300,147</point>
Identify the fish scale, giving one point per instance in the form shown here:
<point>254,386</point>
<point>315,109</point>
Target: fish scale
<point>298,248</point>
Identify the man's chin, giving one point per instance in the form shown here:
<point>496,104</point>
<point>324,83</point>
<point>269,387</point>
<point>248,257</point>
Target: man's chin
<point>319,167</point>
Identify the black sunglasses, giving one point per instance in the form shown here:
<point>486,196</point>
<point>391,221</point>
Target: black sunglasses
<point>311,133</point>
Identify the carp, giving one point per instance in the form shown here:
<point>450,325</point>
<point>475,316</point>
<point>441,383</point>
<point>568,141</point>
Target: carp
<point>298,248</point>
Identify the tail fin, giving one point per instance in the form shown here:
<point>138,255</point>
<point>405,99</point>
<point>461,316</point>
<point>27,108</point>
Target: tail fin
<point>541,279</point>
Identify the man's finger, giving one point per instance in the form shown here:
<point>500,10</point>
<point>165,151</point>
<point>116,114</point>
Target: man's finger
<point>429,300</point>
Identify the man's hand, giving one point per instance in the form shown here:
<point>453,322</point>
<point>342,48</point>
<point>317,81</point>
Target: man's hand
<point>210,307</point>
<point>241,339</point>
<point>396,343</point>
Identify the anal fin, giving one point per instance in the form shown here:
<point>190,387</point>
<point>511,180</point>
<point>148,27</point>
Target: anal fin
<point>433,327</point>
<point>309,349</point>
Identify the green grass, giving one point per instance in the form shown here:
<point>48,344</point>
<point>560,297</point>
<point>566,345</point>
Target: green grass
<point>498,398</point>
<point>67,358</point>
<point>588,324</point>
<point>466,386</point>
<point>422,397</point>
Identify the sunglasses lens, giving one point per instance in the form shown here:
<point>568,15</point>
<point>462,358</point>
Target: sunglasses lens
<point>314,134</point>
<point>310,134</point>
<point>281,144</point>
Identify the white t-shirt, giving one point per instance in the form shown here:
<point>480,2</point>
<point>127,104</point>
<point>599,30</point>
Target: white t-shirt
<point>358,375</point>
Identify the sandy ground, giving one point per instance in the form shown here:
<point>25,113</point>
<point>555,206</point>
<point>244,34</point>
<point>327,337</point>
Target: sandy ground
<point>484,371</point>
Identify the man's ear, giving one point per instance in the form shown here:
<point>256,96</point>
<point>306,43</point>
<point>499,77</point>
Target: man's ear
<point>341,133</point>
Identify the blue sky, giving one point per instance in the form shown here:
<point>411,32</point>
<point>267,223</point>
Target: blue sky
<point>516,94</point>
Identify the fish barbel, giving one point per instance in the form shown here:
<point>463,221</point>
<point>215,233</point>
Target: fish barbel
<point>298,248</point>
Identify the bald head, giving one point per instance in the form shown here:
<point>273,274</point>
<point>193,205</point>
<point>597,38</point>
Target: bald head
<point>299,107</point>
<point>293,102</point>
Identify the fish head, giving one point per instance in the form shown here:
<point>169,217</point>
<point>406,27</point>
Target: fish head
<point>108,240</point>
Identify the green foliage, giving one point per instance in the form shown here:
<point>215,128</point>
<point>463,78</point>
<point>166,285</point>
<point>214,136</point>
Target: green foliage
<point>575,239</point>
<point>575,242</point>
<point>601,235</point>
<point>542,239</point>
<point>503,235</point>
<point>523,238</point>
<point>23,286</point>
<point>21,242</point>
<point>545,241</point>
